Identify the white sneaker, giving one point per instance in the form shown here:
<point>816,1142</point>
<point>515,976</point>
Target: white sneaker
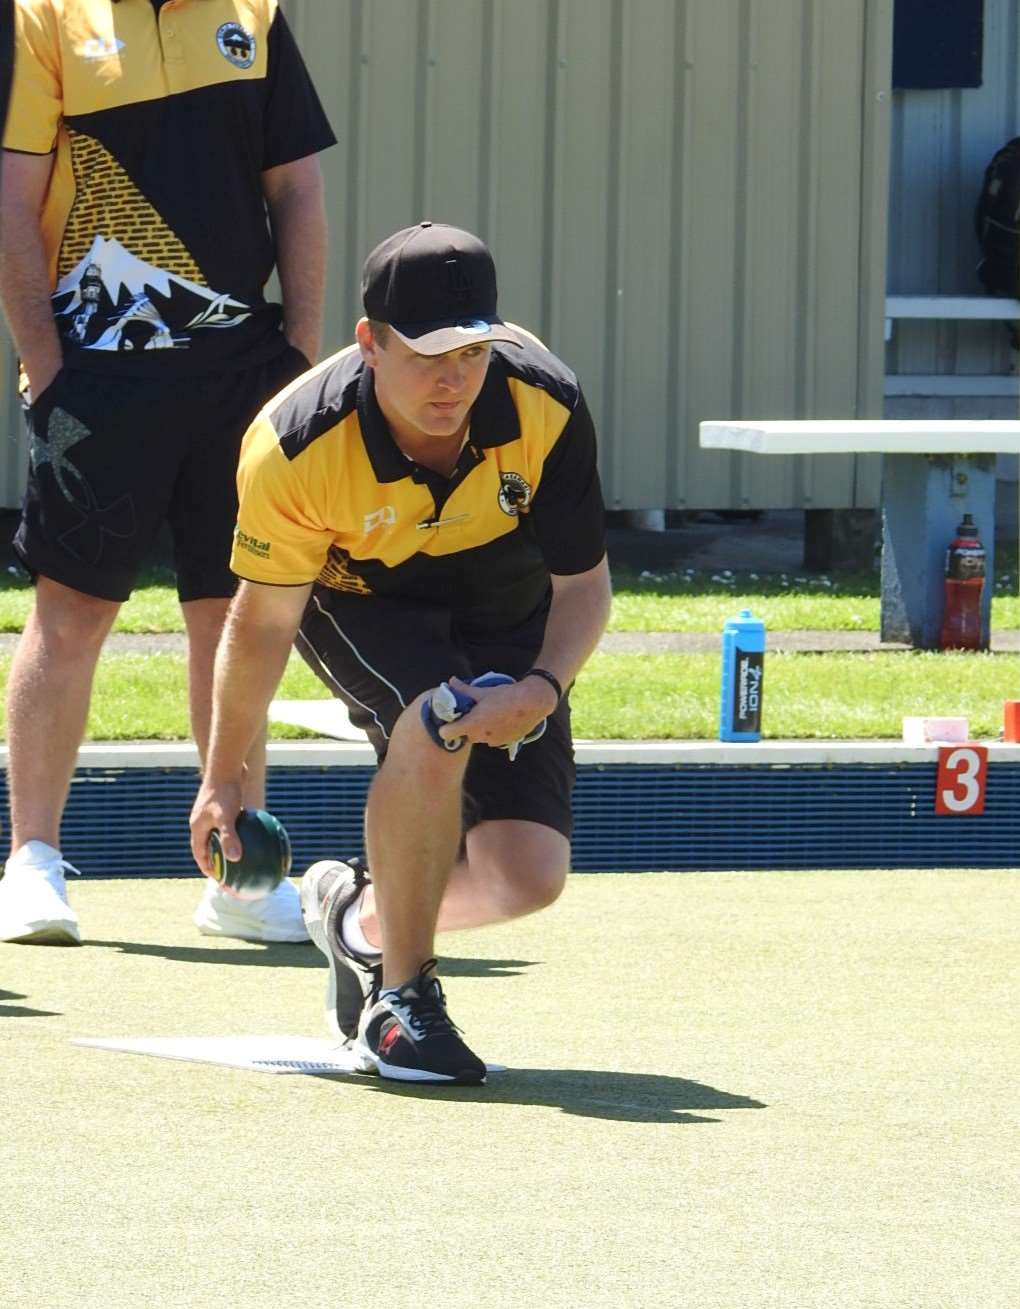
<point>33,898</point>
<point>276,917</point>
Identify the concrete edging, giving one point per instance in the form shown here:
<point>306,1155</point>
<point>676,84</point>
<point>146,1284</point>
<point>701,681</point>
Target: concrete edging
<point>331,754</point>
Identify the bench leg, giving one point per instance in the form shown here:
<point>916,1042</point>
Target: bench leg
<point>839,539</point>
<point>923,499</point>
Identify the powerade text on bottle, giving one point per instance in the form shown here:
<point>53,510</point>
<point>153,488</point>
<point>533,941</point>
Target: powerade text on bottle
<point>965,580</point>
<point>743,670</point>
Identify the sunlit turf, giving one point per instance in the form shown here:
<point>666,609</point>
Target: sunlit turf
<point>153,606</point>
<point>692,600</point>
<point>677,600</point>
<point>143,697</point>
<point>842,696</point>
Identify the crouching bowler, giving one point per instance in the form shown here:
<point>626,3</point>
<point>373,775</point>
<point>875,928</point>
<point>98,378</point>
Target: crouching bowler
<point>421,510</point>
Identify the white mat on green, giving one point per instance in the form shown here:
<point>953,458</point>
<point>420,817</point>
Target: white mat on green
<point>326,717</point>
<point>256,1054</point>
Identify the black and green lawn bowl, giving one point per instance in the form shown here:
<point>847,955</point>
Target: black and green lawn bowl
<point>265,856</point>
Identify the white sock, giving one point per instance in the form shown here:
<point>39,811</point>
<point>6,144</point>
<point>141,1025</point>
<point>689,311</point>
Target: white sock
<point>350,930</point>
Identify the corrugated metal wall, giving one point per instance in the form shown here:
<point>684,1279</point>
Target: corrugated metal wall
<point>686,199</point>
<point>941,142</point>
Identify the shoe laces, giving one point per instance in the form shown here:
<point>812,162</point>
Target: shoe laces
<point>425,1010</point>
<point>54,868</point>
<point>359,868</point>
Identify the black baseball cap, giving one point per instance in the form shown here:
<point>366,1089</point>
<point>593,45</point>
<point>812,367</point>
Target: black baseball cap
<point>435,286</point>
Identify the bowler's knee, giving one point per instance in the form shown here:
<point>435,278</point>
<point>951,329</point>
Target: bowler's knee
<point>412,745</point>
<point>527,890</point>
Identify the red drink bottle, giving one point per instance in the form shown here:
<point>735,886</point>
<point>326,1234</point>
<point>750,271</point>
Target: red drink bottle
<point>965,580</point>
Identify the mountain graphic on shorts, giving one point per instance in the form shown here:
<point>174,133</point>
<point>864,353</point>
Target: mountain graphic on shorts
<point>113,300</point>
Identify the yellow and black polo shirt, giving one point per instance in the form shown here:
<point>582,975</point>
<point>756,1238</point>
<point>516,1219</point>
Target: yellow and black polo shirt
<point>163,118</point>
<point>326,494</point>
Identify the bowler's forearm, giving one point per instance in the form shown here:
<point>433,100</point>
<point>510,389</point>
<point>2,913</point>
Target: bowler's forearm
<point>577,618</point>
<point>249,666</point>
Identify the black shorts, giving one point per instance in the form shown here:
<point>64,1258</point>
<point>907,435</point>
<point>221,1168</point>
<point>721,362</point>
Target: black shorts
<point>377,655</point>
<point>112,457</point>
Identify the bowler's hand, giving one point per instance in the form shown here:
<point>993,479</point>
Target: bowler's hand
<point>502,714</point>
<point>216,808</point>
<point>306,344</point>
<point>41,373</point>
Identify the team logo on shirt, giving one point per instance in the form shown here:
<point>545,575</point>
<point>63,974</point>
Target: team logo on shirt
<point>514,494</point>
<point>384,517</point>
<point>236,45</point>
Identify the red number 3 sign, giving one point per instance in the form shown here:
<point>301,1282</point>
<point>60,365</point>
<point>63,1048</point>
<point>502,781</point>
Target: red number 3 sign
<point>960,785</point>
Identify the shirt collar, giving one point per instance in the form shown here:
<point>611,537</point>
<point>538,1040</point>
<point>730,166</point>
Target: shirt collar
<point>388,463</point>
<point>494,421</point>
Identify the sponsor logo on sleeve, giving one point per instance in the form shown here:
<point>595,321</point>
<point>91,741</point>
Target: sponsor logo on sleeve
<point>252,544</point>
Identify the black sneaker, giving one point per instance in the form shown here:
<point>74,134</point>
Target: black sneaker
<point>407,1036</point>
<point>328,888</point>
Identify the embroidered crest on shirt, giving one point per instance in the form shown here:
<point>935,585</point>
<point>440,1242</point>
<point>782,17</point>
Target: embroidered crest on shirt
<point>514,494</point>
<point>236,45</point>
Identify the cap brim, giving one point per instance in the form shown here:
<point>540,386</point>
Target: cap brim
<point>440,339</point>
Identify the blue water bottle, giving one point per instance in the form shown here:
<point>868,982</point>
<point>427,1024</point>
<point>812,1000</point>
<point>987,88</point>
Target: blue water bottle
<point>743,671</point>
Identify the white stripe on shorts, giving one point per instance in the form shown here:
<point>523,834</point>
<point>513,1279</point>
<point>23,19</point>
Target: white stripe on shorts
<point>328,676</point>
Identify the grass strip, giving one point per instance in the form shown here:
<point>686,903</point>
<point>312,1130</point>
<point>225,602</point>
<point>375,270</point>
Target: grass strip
<point>681,600</point>
<point>840,696</point>
<point>143,697</point>
<point>689,600</point>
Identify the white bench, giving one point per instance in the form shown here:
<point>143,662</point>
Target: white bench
<point>933,472</point>
<point>957,308</point>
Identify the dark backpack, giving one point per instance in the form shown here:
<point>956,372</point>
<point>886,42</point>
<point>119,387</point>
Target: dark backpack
<point>997,223</point>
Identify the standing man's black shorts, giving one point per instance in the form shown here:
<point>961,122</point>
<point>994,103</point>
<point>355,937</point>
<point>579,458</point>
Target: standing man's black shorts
<point>377,654</point>
<point>112,456</point>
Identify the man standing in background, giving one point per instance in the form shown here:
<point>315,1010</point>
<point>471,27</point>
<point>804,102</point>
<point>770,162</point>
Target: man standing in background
<point>158,160</point>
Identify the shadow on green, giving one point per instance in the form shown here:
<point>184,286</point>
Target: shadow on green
<point>295,955</point>
<point>584,1092</point>
<point>278,955</point>
<point>20,1010</point>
